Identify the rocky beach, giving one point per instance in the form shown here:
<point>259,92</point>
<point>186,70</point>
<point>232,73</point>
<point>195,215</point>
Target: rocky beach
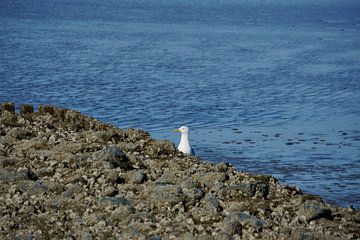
<point>64,175</point>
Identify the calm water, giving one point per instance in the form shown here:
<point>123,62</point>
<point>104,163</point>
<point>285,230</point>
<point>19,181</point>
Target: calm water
<point>270,86</point>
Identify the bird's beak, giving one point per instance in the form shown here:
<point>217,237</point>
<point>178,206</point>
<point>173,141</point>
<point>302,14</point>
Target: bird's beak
<point>176,130</point>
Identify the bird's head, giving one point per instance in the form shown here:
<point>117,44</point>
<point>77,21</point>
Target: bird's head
<point>182,130</point>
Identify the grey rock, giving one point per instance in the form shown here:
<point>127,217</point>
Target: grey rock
<point>262,190</point>
<point>313,210</point>
<point>232,227</point>
<point>302,234</point>
<point>20,133</point>
<point>211,178</point>
<point>240,190</point>
<point>137,177</point>
<point>33,187</point>
<point>117,201</point>
<point>115,156</point>
<point>168,177</point>
<point>171,194</point>
<point>11,175</point>
<point>246,219</point>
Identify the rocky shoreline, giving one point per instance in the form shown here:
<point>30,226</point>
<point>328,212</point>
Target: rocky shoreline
<point>64,175</point>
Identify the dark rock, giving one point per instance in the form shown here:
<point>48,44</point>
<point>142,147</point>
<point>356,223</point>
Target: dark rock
<point>193,194</point>
<point>8,106</point>
<point>11,175</point>
<point>246,219</point>
<point>26,109</point>
<point>240,190</point>
<point>262,190</point>
<point>313,210</point>
<point>8,162</point>
<point>137,177</point>
<point>115,156</point>
<point>43,109</point>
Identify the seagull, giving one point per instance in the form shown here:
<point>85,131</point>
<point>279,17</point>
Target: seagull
<point>184,145</point>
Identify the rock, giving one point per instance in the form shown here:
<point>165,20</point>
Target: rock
<point>9,119</point>
<point>240,190</point>
<point>11,175</point>
<point>119,201</point>
<point>232,227</point>
<point>8,106</point>
<point>303,234</point>
<point>262,190</point>
<point>168,177</point>
<point>137,177</point>
<point>245,219</point>
<point>115,156</point>
<point>26,109</point>
<point>211,178</point>
<point>20,133</point>
<point>33,187</point>
<point>170,194</point>
<point>6,162</point>
<point>312,210</point>
<point>43,109</point>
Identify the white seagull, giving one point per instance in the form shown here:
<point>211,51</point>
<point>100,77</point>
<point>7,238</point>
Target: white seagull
<point>184,145</point>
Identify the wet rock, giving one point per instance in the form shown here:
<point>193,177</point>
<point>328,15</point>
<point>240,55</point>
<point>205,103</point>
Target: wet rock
<point>8,106</point>
<point>115,156</point>
<point>43,109</point>
<point>26,109</point>
<point>312,210</point>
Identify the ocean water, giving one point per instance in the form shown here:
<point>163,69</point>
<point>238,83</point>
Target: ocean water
<point>272,87</point>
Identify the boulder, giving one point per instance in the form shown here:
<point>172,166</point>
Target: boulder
<point>115,156</point>
<point>312,210</point>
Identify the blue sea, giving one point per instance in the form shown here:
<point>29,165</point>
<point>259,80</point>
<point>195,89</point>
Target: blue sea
<point>270,86</point>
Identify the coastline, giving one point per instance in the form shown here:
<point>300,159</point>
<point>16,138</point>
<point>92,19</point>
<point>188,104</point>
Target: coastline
<point>66,175</point>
